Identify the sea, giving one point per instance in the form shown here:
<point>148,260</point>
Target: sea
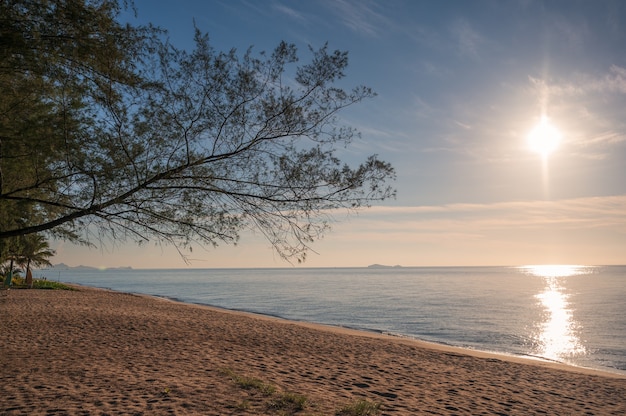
<point>573,314</point>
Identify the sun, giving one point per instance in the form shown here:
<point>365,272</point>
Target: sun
<point>544,138</point>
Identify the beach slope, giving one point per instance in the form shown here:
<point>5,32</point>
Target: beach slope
<point>99,352</point>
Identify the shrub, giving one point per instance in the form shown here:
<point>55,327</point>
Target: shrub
<point>47,284</point>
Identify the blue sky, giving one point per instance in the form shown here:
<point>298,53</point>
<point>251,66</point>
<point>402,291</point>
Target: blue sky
<point>460,85</point>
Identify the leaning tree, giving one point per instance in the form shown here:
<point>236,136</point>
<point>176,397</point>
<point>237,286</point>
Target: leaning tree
<point>107,130</point>
<point>34,251</point>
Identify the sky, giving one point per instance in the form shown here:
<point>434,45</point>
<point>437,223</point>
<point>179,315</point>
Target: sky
<point>460,85</point>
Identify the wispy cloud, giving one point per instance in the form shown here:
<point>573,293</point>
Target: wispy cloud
<point>613,81</point>
<point>468,39</point>
<point>462,125</point>
<point>422,109</point>
<point>571,33</point>
<point>591,107</point>
<point>288,11</point>
<point>605,138</point>
<point>594,212</point>
<point>360,16</point>
<point>587,230</point>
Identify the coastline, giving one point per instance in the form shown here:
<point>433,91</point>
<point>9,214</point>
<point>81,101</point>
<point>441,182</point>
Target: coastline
<point>96,350</point>
<point>437,346</point>
<point>437,305</point>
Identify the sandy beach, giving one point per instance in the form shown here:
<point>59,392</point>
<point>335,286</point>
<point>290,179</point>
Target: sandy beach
<point>97,352</point>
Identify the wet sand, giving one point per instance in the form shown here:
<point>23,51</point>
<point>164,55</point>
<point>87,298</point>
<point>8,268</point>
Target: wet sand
<point>97,352</point>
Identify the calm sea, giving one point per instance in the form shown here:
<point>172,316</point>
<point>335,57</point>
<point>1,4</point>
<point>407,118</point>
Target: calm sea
<point>570,314</point>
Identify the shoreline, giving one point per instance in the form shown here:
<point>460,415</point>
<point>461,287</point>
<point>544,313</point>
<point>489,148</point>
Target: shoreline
<point>440,346</point>
<point>98,351</point>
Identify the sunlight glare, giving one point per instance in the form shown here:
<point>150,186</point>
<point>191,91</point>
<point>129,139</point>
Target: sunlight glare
<point>557,336</point>
<point>544,138</point>
<point>556,270</point>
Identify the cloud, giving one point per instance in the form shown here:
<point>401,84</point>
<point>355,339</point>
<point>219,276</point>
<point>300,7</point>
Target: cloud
<point>468,39</point>
<point>422,109</point>
<point>572,34</point>
<point>605,138</point>
<point>593,212</point>
<point>614,81</point>
<point>462,125</point>
<point>360,16</point>
<point>287,11</point>
<point>578,230</point>
<point>589,107</point>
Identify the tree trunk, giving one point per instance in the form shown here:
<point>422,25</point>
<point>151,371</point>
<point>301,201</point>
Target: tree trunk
<point>7,282</point>
<point>29,275</point>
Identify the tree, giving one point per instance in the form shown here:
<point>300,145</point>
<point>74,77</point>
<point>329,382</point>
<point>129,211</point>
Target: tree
<point>59,61</point>
<point>35,251</point>
<point>144,140</point>
<point>9,251</point>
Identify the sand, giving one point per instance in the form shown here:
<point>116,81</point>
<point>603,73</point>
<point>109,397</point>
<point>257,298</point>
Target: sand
<point>98,352</point>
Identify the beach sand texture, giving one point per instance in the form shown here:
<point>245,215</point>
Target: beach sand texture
<point>97,352</point>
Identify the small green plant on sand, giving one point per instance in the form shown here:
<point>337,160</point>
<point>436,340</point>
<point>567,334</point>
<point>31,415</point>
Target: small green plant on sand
<point>360,408</point>
<point>288,402</point>
<point>248,383</point>
<point>243,405</point>
<point>283,403</point>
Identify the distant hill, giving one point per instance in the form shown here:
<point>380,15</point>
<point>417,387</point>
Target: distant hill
<point>63,266</point>
<point>382,266</point>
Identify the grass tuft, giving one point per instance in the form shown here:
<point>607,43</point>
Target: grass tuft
<point>288,402</point>
<point>281,403</point>
<point>249,383</point>
<point>243,405</point>
<point>360,408</point>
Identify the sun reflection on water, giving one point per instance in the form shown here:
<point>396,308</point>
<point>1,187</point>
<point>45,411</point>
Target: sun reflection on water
<point>557,270</point>
<point>557,337</point>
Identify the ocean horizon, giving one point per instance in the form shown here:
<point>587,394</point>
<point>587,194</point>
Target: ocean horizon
<point>571,314</point>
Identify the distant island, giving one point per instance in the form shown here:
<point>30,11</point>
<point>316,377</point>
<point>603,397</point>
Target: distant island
<point>63,266</point>
<point>382,266</point>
